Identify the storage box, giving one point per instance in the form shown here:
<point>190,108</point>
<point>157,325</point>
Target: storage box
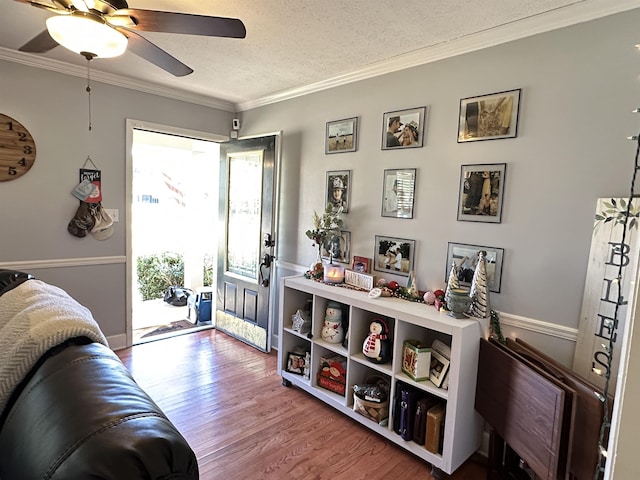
<point>416,360</point>
<point>332,373</point>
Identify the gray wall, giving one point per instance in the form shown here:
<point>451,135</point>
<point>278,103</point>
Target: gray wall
<point>36,208</point>
<point>579,85</point>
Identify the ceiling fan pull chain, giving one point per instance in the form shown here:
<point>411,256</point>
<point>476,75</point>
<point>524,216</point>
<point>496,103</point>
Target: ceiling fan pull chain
<point>89,88</point>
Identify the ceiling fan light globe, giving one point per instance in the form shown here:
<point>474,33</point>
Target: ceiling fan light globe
<point>87,33</point>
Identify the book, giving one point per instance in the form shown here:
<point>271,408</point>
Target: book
<point>420,426</point>
<point>435,425</point>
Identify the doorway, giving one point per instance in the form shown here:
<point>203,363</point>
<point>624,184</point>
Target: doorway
<point>173,214</point>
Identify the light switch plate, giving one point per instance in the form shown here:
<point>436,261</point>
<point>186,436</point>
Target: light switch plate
<point>114,214</point>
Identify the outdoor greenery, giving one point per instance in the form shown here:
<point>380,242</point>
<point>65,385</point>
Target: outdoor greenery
<point>158,272</point>
<point>208,270</point>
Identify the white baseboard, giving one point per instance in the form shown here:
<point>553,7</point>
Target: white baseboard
<point>117,342</point>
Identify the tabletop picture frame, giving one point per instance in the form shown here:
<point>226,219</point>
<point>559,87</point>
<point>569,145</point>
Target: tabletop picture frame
<point>481,192</point>
<point>394,255</point>
<point>439,368</point>
<point>403,128</point>
<point>398,190</point>
<point>296,363</point>
<point>341,136</point>
<point>489,117</point>
<point>465,257</point>
<point>361,264</point>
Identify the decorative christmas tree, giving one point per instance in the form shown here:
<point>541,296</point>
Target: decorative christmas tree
<point>479,292</point>
<point>452,282</point>
<point>412,285</point>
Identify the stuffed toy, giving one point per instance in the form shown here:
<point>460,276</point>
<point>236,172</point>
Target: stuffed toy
<point>377,347</point>
<point>332,330</point>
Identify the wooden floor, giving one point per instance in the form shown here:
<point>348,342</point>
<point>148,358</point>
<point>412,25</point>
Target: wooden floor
<point>228,401</point>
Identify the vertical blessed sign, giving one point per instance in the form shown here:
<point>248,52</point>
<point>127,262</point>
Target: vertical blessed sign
<point>608,257</point>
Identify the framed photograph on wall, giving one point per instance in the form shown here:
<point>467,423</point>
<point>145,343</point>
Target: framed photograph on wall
<point>338,193</point>
<point>338,248</point>
<point>466,259</point>
<point>394,255</point>
<point>489,117</point>
<point>403,128</point>
<point>341,136</point>
<point>481,192</point>
<point>398,190</point>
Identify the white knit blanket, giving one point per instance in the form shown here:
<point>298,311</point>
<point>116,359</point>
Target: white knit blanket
<point>34,317</point>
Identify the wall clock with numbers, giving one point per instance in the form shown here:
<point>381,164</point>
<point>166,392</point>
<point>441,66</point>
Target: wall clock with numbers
<point>17,149</point>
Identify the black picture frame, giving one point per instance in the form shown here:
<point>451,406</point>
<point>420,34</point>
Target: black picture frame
<point>296,363</point>
<point>407,126</point>
<point>489,117</point>
<point>340,244</point>
<point>465,256</point>
<point>481,192</point>
<point>394,255</point>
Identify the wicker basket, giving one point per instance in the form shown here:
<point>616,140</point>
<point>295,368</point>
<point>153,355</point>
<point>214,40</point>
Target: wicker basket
<point>376,411</point>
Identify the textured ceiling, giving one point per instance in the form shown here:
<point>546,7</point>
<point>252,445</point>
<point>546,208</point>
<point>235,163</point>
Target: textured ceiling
<point>293,47</point>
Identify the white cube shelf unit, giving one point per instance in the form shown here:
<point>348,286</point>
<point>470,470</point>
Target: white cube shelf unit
<point>463,426</point>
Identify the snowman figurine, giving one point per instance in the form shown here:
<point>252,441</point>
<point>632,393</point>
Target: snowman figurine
<point>332,331</point>
<point>377,347</point>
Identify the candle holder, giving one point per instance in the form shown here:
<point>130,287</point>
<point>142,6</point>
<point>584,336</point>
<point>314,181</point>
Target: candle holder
<point>333,273</point>
<point>458,302</point>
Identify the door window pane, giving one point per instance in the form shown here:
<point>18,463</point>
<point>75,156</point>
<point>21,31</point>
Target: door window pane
<point>244,215</point>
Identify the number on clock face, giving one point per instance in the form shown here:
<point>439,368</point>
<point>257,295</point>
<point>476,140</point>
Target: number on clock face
<point>17,149</point>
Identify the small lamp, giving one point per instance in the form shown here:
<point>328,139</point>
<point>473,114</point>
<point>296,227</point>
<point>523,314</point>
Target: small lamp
<point>87,33</point>
<point>333,273</point>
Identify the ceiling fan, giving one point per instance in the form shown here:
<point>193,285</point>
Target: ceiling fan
<point>106,28</point>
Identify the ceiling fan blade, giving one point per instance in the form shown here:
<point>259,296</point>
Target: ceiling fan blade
<point>41,43</point>
<point>186,23</point>
<point>154,54</point>
<point>45,6</point>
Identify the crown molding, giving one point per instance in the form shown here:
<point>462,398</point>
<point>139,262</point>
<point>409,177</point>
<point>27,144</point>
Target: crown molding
<point>38,61</point>
<point>578,12</point>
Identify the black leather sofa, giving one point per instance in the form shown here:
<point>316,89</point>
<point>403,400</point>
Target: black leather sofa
<point>80,415</point>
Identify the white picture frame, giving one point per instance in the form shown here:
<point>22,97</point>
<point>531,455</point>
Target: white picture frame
<point>439,368</point>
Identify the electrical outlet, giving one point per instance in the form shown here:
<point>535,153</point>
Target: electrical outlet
<point>114,214</point>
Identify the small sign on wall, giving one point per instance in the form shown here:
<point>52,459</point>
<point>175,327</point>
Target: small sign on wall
<point>598,320</point>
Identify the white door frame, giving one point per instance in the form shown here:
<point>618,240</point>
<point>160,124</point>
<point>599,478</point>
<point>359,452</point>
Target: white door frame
<point>132,125</point>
